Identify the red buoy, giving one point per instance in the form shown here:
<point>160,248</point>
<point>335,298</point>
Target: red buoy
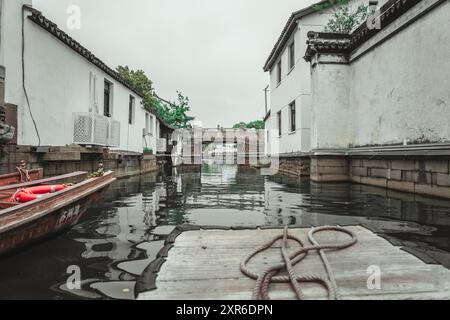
<point>33,193</point>
<point>24,197</point>
<point>45,189</point>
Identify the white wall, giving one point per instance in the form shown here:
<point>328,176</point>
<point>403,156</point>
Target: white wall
<point>405,95</point>
<point>12,46</point>
<point>57,81</point>
<point>397,91</point>
<point>293,87</point>
<point>150,140</point>
<point>296,85</point>
<point>2,34</point>
<point>332,120</point>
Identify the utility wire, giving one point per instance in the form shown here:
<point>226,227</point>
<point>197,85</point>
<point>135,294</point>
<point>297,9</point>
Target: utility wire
<point>23,78</point>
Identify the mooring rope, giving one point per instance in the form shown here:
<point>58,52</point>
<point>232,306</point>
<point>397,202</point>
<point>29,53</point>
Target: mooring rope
<point>271,275</point>
<point>24,174</point>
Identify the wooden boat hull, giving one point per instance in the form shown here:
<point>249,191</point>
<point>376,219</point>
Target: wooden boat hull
<point>28,223</point>
<point>14,177</point>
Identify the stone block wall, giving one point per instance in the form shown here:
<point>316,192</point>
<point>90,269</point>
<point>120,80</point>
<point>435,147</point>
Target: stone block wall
<point>419,176</point>
<point>62,160</point>
<point>297,166</point>
<point>330,169</point>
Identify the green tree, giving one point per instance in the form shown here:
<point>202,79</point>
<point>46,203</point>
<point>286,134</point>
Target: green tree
<point>240,124</point>
<point>173,113</point>
<point>140,81</point>
<point>176,113</point>
<point>258,124</point>
<point>345,19</point>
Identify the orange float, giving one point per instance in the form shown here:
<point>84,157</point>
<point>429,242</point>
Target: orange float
<point>33,193</point>
<point>24,197</point>
<point>45,189</point>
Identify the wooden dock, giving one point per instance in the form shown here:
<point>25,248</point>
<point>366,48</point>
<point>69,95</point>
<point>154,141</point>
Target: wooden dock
<point>204,264</point>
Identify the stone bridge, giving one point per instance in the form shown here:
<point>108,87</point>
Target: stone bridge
<point>249,145</point>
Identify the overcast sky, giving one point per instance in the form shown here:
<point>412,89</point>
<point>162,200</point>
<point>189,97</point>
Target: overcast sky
<point>211,50</point>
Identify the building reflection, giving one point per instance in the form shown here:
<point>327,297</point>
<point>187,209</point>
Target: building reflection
<point>131,211</point>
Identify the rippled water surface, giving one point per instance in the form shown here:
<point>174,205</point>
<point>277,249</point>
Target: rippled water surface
<point>122,233</point>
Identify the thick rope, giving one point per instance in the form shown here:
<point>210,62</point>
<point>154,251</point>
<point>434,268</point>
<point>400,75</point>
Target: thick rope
<point>271,275</point>
<point>24,174</point>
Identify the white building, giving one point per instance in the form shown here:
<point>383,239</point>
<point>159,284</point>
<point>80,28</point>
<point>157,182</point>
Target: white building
<point>386,88</point>
<point>290,114</point>
<point>72,95</point>
<point>380,100</point>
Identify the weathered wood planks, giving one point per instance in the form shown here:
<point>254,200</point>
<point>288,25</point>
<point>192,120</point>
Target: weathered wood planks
<point>204,264</point>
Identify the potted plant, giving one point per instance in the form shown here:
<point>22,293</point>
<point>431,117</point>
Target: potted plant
<point>148,151</point>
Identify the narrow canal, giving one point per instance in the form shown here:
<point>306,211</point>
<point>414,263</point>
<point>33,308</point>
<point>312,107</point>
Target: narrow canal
<point>122,233</point>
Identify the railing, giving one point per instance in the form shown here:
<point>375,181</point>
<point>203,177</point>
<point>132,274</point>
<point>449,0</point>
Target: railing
<point>95,129</point>
<point>161,145</point>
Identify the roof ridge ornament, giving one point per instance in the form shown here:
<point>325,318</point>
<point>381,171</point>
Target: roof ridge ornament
<point>343,44</point>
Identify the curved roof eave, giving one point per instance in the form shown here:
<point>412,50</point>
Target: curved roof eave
<point>287,31</point>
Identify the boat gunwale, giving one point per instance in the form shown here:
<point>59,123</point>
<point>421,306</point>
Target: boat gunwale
<point>40,181</point>
<point>14,178</point>
<point>14,174</point>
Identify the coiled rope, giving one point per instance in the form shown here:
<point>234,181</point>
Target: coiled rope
<point>272,274</point>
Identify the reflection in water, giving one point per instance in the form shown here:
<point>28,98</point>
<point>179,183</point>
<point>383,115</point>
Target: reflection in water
<point>123,232</point>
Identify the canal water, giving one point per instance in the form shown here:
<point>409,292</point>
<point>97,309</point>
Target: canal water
<point>122,233</point>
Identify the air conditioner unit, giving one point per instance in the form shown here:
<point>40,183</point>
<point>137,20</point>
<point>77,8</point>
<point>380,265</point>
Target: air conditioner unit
<point>95,129</point>
<point>83,128</point>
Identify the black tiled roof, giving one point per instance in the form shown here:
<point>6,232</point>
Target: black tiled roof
<point>344,44</point>
<point>287,31</point>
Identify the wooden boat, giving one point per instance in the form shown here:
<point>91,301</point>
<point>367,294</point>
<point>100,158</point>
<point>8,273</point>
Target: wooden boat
<point>14,178</point>
<point>23,224</point>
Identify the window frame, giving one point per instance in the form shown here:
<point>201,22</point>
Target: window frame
<point>152,126</point>
<point>147,123</point>
<point>132,110</point>
<point>291,50</point>
<point>279,71</point>
<point>279,123</point>
<point>293,116</point>
<point>108,103</point>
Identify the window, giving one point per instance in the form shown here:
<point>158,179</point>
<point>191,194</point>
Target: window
<point>292,116</point>
<point>279,123</point>
<point>373,6</point>
<point>147,123</point>
<point>279,71</point>
<point>131,110</point>
<point>291,55</point>
<point>107,99</point>
<point>151,125</point>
